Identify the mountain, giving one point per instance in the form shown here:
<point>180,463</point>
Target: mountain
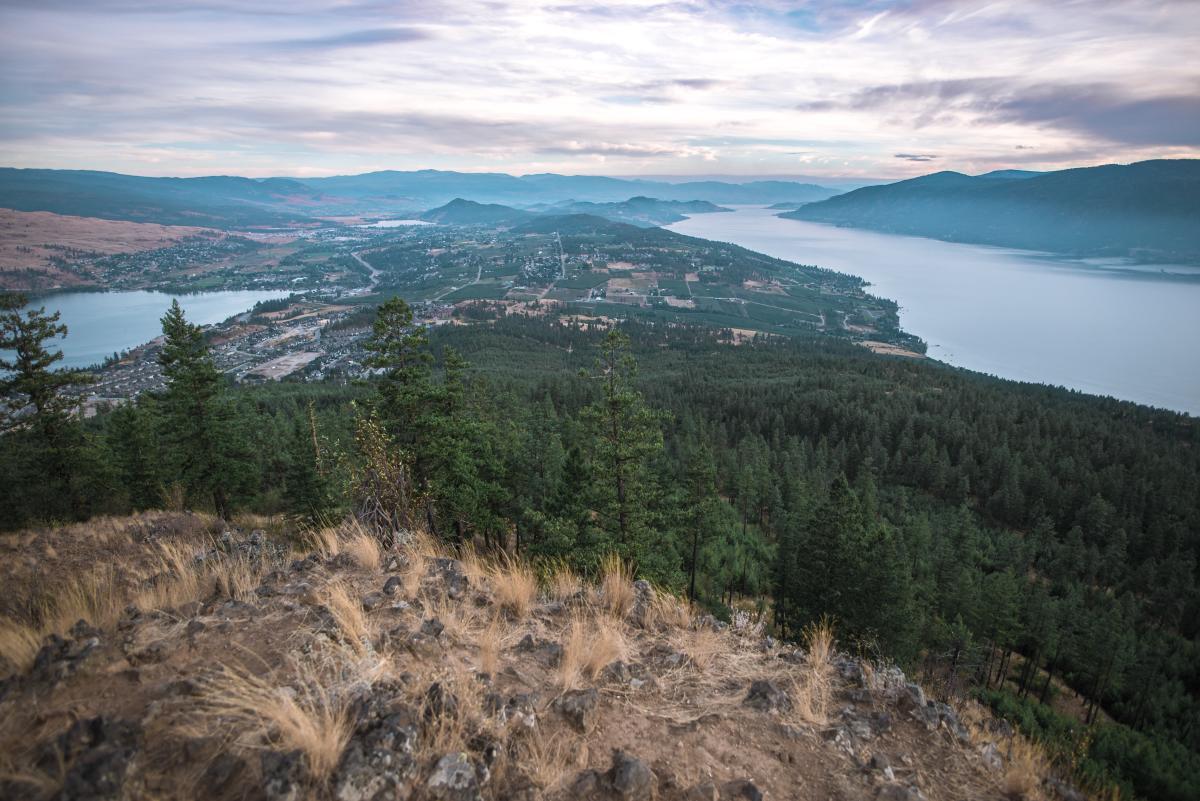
<point>236,202</point>
<point>1148,211</point>
<point>468,212</point>
<point>218,201</point>
<point>643,211</point>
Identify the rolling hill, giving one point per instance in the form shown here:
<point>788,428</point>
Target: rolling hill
<point>1148,211</point>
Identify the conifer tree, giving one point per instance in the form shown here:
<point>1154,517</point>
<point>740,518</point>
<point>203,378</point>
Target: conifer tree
<point>625,435</point>
<point>199,425</point>
<point>34,398</point>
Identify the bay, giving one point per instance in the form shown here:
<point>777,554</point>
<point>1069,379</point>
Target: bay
<point>102,323</point>
<point>1101,328</point>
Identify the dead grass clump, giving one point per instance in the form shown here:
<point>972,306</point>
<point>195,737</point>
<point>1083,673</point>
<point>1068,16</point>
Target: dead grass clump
<point>363,548</point>
<point>1025,767</point>
<point>669,612</point>
<point>324,541</point>
<point>546,759</point>
<point>451,704</point>
<point>515,587</point>
<point>590,645</point>
<point>702,646</point>
<point>19,644</point>
<point>474,566</point>
<point>313,717</point>
<point>490,640</point>
<point>616,586</point>
<point>562,583</point>
<point>347,611</point>
<point>812,689</point>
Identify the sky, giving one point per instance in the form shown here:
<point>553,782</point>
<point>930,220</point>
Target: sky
<point>854,89</point>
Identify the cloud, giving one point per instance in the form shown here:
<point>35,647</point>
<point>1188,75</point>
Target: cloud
<point>1103,110</point>
<point>289,86</point>
<point>364,38</point>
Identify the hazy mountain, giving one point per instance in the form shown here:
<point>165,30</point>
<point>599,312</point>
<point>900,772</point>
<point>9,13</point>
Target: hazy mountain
<point>644,211</point>
<point>1149,211</point>
<point>222,201</point>
<point>468,212</point>
<point>230,201</point>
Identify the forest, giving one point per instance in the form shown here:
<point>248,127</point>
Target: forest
<point>1033,547</point>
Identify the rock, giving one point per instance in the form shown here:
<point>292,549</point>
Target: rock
<point>588,784</point>
<point>96,753</point>
<point>1064,790</point>
<point>898,792</point>
<point>194,627</point>
<point>451,574</point>
<point>432,627</point>
<point>629,778</point>
<point>380,762</point>
<point>578,707</point>
<point>703,792</point>
<point>740,790</point>
<point>393,585</point>
<point>453,779</point>
<point>991,757</point>
<point>283,775</point>
<point>765,696</point>
<point>617,672</point>
<point>223,774</point>
<point>643,601</point>
<point>439,702</point>
<point>911,697</point>
<point>372,601</point>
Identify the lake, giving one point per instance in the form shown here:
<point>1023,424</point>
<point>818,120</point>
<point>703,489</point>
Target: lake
<point>1014,314</point>
<point>102,323</point>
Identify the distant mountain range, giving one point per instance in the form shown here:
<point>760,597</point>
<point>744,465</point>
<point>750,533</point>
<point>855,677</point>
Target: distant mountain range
<point>1148,211</point>
<point>643,212</point>
<point>233,202</point>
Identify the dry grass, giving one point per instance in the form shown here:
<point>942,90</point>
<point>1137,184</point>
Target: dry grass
<point>363,548</point>
<point>562,583</point>
<point>702,646</point>
<point>449,725</point>
<point>669,612</point>
<point>590,644</point>
<point>616,586</point>
<point>313,717</point>
<point>515,586</point>
<point>812,689</point>
<point>324,541</point>
<point>547,759</point>
<point>1025,767</point>
<point>19,644</point>
<point>491,641</point>
<point>343,603</point>
<point>474,566</point>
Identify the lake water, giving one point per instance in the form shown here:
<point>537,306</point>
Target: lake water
<point>102,323</point>
<point>1014,314</point>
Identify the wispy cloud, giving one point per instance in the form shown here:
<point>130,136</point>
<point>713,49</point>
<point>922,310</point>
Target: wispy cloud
<point>860,87</point>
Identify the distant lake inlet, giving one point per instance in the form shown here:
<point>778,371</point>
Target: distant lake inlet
<point>102,323</point>
<point>1099,327</point>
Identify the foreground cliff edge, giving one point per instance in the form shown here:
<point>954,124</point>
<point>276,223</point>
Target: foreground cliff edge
<point>214,662</point>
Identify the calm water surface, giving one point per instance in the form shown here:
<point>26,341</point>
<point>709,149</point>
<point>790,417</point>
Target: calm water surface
<point>102,323</point>
<point>1014,314</point>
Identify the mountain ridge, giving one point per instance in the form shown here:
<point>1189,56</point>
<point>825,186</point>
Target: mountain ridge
<point>1148,211</point>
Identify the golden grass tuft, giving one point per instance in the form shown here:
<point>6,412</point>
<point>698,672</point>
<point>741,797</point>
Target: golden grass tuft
<point>363,548</point>
<point>702,646</point>
<point>812,689</point>
<point>515,586</point>
<point>491,641</point>
<point>1024,768</point>
<point>19,644</point>
<point>669,612</point>
<point>590,644</point>
<point>562,583</point>
<point>313,718</point>
<point>615,586</point>
<point>346,608</point>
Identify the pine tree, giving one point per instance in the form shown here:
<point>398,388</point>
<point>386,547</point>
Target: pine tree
<point>198,423</point>
<point>34,398</point>
<point>700,502</point>
<point>625,435</point>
